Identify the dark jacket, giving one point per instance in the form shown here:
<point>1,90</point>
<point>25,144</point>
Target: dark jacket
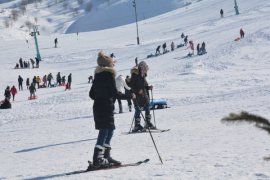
<point>138,83</point>
<point>103,92</point>
<point>69,78</point>
<point>32,88</point>
<point>7,94</point>
<point>20,80</point>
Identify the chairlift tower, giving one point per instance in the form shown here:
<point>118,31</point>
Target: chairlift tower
<point>236,7</point>
<point>34,34</point>
<point>135,7</point>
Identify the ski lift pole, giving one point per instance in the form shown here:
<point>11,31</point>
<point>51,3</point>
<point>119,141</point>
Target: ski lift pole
<point>236,7</point>
<point>137,28</point>
<point>34,34</point>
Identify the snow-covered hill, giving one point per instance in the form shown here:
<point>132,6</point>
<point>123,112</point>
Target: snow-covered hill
<point>47,137</point>
<point>70,16</point>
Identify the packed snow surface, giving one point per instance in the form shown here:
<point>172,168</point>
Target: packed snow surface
<point>53,135</point>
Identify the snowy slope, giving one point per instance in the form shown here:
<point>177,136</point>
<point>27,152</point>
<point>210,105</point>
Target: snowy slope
<point>71,16</point>
<point>47,137</point>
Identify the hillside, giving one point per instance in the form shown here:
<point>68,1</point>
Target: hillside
<point>70,16</point>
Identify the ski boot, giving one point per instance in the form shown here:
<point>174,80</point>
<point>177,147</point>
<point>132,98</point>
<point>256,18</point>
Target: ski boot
<point>107,155</point>
<point>98,158</point>
<point>138,126</point>
<point>148,123</point>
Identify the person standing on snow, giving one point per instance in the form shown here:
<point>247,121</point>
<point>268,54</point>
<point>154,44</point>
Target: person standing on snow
<point>164,47</point>
<point>191,46</point>
<point>198,49</point>
<point>90,79</point>
<point>242,33</point>
<point>69,80</point>
<point>186,40</point>
<point>21,62</point>
<point>221,13</point>
<point>13,91</point>
<point>7,93</point>
<point>49,78</point>
<point>172,46</point>
<point>103,92</point>
<point>58,79</point>
<point>140,87</point>
<point>20,82</point>
<point>44,80</point>
<point>32,62</point>
<point>158,50</point>
<point>121,86</point>
<point>27,83</point>
<point>55,42</point>
<point>32,90</point>
<point>203,49</point>
<point>38,79</point>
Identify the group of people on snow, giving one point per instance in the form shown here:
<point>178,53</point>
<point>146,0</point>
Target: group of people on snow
<point>200,50</point>
<point>105,89</point>
<point>37,82</point>
<point>26,64</point>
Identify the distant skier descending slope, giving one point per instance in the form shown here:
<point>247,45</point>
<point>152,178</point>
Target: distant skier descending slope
<point>103,91</point>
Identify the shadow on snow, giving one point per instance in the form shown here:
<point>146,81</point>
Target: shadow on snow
<point>52,145</point>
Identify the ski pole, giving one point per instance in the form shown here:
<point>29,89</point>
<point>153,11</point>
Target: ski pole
<point>149,132</point>
<point>152,139</point>
<point>130,130</point>
<point>153,108</point>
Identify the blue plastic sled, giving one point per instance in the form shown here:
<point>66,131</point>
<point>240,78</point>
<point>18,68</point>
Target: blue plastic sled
<point>158,104</point>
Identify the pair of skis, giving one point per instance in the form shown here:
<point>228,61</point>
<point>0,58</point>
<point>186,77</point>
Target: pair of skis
<point>146,130</point>
<point>95,168</point>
